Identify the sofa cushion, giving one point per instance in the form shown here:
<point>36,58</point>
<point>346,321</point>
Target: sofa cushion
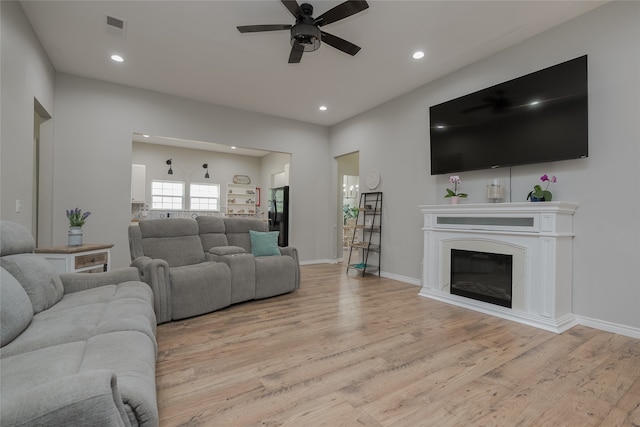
<point>16,239</point>
<point>37,276</point>
<point>237,230</point>
<point>79,316</point>
<point>16,310</point>
<point>264,243</point>
<point>275,276</point>
<point>200,288</point>
<point>212,232</point>
<point>174,240</point>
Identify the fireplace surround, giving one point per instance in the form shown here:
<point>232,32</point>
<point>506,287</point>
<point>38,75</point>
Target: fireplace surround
<point>537,238</point>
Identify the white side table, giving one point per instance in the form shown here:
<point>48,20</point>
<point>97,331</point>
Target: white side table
<point>89,258</point>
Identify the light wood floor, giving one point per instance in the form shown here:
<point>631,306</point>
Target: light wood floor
<point>348,351</point>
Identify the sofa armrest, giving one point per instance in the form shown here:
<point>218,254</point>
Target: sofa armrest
<point>74,282</point>
<point>89,398</point>
<point>155,273</point>
<point>293,253</point>
<point>226,250</point>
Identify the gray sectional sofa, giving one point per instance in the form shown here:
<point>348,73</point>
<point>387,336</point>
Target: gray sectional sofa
<point>196,266</point>
<point>76,349</point>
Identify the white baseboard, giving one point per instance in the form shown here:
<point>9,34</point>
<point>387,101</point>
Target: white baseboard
<point>616,328</point>
<point>319,261</point>
<point>399,278</point>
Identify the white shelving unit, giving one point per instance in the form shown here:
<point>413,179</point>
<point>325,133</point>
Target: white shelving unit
<point>241,200</point>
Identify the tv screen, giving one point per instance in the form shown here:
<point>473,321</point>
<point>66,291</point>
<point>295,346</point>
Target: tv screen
<point>540,117</point>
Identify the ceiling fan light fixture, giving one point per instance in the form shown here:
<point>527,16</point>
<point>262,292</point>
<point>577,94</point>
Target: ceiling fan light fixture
<point>307,37</point>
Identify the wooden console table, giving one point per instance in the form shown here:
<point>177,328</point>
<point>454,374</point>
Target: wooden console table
<point>89,258</point>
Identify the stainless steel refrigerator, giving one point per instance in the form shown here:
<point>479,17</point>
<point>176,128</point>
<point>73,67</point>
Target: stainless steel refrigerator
<point>279,213</point>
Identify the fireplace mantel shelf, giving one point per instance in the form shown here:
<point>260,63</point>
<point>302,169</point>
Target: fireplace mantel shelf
<point>540,235</point>
<point>520,207</point>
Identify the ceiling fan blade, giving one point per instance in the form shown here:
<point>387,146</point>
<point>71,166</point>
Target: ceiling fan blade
<point>340,44</point>
<point>341,11</point>
<point>258,28</point>
<point>293,7</point>
<point>296,53</point>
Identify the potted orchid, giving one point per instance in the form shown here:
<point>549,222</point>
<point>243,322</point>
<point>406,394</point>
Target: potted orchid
<point>453,194</point>
<point>540,195</point>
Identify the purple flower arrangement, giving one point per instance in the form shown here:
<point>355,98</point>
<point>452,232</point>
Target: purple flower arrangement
<point>76,217</point>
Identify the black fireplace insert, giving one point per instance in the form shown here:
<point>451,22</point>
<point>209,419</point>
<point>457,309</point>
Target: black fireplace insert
<point>482,276</point>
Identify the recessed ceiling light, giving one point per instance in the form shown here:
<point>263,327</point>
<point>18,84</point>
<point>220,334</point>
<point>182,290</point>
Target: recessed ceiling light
<point>418,55</point>
<point>117,58</point>
<point>233,147</point>
<point>323,108</point>
<point>145,136</point>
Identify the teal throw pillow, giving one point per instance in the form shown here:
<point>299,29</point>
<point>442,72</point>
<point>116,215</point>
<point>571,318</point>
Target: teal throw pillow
<point>264,243</point>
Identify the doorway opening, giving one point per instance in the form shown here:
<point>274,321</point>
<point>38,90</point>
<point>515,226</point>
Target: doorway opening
<point>42,183</point>
<point>348,195</point>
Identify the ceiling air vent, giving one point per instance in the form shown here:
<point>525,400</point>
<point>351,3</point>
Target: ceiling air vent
<point>116,26</point>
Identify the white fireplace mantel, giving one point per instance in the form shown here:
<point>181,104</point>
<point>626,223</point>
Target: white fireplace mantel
<point>539,235</point>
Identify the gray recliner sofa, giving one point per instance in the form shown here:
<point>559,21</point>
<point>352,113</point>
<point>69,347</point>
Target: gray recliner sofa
<point>169,256</point>
<point>76,348</point>
<point>196,266</point>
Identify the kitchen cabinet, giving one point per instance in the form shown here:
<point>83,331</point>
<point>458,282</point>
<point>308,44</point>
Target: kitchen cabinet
<point>138,183</point>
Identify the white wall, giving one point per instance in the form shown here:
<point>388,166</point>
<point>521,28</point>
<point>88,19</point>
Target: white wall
<point>94,124</point>
<point>394,139</point>
<point>26,74</point>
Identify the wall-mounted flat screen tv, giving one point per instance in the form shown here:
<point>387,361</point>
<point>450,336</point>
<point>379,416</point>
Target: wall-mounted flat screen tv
<point>540,117</point>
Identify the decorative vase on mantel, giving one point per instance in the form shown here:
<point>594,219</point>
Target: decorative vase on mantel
<point>75,236</point>
<point>454,199</point>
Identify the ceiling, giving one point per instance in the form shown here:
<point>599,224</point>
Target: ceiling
<point>192,49</point>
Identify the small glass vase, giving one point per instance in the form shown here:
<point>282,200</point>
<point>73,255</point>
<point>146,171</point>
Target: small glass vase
<point>75,236</point>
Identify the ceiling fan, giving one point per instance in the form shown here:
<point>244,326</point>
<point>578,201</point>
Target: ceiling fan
<point>306,34</point>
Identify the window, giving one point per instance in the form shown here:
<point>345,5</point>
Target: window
<point>204,197</point>
<point>167,194</point>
